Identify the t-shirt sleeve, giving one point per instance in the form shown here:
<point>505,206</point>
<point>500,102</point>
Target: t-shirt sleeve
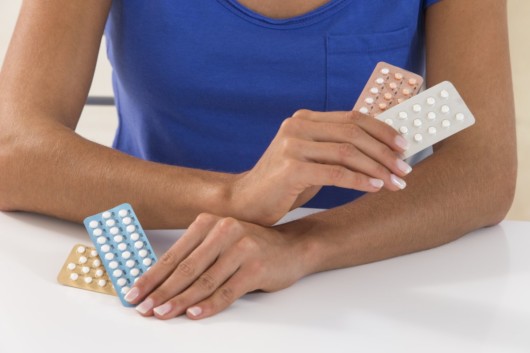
<point>427,3</point>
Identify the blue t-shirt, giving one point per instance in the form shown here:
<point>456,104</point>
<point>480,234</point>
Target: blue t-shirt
<point>206,84</point>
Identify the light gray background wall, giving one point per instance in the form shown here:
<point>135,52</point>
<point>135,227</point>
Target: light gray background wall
<point>99,124</point>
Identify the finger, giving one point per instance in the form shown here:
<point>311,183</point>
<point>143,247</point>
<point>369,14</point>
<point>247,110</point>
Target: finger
<point>192,267</point>
<point>203,287</point>
<point>238,285</point>
<point>165,266</point>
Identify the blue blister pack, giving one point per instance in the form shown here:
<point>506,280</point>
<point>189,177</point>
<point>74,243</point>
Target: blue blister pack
<point>122,246</point>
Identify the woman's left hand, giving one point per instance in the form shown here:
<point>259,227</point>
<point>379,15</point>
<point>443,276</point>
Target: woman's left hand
<point>215,262</point>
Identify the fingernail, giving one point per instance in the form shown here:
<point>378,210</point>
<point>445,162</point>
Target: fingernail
<point>401,142</point>
<point>163,309</point>
<point>403,166</point>
<point>377,183</point>
<point>397,181</point>
<point>194,311</point>
<point>132,295</point>
<point>145,306</point>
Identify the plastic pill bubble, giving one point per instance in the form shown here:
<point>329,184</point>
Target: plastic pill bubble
<point>74,276</point>
<point>374,90</point>
<point>460,116</point>
<point>83,260</point>
<point>392,85</point>
<point>71,266</point>
<point>363,110</point>
<point>113,264</point>
<point>121,282</point>
<point>147,261</point>
<point>446,123</point>
<point>403,115</point>
<point>135,236</point>
<point>85,269</point>
<point>97,232</point>
<point>93,224</point>
<point>122,246</point>
<point>123,213</point>
<point>110,223</point>
<point>431,115</point>
<point>99,273</point>
<point>406,92</point>
<point>413,82</point>
<point>445,109</point>
<point>418,138</point>
<point>431,101</point>
<point>117,273</point>
<point>385,71</point>
<point>106,214</point>
<point>102,240</point>
<point>109,256</point>
<point>403,130</point>
<point>102,283</point>
<point>444,94</point>
<point>130,263</point>
<point>417,122</point>
<point>96,263</point>
<point>118,238</point>
<point>81,249</point>
<point>380,81</point>
<point>127,220</point>
<point>126,254</point>
<point>135,272</point>
<point>131,228</point>
<point>93,253</point>
<point>142,253</point>
<point>114,230</point>
<point>416,108</point>
<point>139,244</point>
<point>369,100</point>
<point>105,248</point>
<point>432,130</point>
<point>388,96</point>
<point>125,290</point>
<point>88,279</point>
<point>398,76</point>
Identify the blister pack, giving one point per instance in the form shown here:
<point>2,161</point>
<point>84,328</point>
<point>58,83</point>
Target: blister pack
<point>122,246</point>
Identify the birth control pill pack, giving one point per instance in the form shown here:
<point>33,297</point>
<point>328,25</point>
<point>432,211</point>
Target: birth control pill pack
<point>122,246</point>
<point>387,86</point>
<point>83,269</point>
<point>429,117</point>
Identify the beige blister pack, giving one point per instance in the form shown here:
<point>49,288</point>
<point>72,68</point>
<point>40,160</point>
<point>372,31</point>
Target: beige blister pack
<point>387,86</point>
<point>83,269</point>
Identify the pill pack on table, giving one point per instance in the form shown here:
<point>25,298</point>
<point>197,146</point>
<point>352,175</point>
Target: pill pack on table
<point>423,119</point>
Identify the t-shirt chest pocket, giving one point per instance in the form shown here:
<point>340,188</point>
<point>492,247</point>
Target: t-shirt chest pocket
<point>351,59</point>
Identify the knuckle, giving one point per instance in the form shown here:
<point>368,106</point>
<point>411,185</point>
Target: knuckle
<point>353,131</point>
<point>337,173</point>
<point>380,170</point>
<point>207,283</point>
<point>246,245</point>
<point>168,259</point>
<point>288,144</point>
<point>226,294</point>
<point>346,151</point>
<point>257,268</point>
<point>204,218</point>
<point>227,224</point>
<point>186,269</point>
<point>302,113</point>
<point>289,125</point>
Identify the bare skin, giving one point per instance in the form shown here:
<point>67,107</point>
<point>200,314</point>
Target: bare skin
<point>468,183</point>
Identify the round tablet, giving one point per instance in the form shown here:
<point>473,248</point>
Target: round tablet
<point>83,260</point>
<point>374,90</point>
<point>445,109</point>
<point>130,263</point>
<point>106,214</point>
<point>113,264</point>
<point>398,76</point>
<point>96,263</point>
<point>126,254</point>
<point>406,92</point>
<point>388,96</point>
<point>446,123</point>
<point>117,273</point>
<point>369,100</point>
<point>403,130</point>
<point>74,276</point>
<point>127,220</point>
<point>363,110</point>
<point>93,253</point>
<point>81,249</point>
<point>121,282</point>
<point>93,224</point>
<point>131,228</point>
<point>444,94</point>
<point>392,85</point>
<point>432,130</point>
<point>417,122</point>
<point>85,269</point>
<point>413,82</point>
<point>403,115</point>
<point>88,279</point>
<point>385,71</point>
<point>389,122</point>
<point>416,108</point>
<point>136,236</point>
<point>431,101</point>
<point>123,212</point>
<point>147,261</point>
<point>109,256</point>
<point>418,138</point>
<point>142,253</point>
<point>122,246</point>
<point>139,244</point>
<point>125,290</point>
<point>102,240</point>
<point>431,115</point>
<point>114,230</point>
<point>97,232</point>
<point>110,223</point>
<point>459,116</point>
<point>135,272</point>
<point>380,80</point>
<point>102,283</point>
<point>118,238</point>
<point>382,106</point>
<point>71,266</point>
<point>99,273</point>
<point>105,248</point>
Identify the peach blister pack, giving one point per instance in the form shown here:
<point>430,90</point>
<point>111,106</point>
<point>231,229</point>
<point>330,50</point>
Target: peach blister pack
<point>122,246</point>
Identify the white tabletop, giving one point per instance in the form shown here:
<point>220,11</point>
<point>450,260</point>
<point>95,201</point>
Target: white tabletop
<point>468,296</point>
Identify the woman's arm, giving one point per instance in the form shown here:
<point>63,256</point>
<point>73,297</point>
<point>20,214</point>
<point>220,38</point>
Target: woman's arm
<point>466,184</point>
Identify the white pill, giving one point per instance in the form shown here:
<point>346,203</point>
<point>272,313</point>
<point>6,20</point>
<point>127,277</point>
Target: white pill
<point>96,263</point>
<point>147,261</point>
<point>114,230</point>
<point>135,272</point>
<point>385,71</point>
<point>122,246</point>
<point>459,116</point>
<point>418,138</point>
<point>117,273</point>
<point>123,213</point>
<point>398,76</point>
<point>81,249</point>
<point>389,122</point>
<point>88,279</point>
<point>101,240</point>
<point>97,232</point>
<point>374,90</point>
<point>110,223</point>
<point>121,282</point>
<point>431,101</point>
<point>109,256</point>
<point>83,260</point>
<point>380,81</point>
<point>127,220</point>
<point>93,224</point>
<point>444,94</point>
<point>445,109</point>
<point>113,264</point>
<point>85,269</point>
<point>417,122</point>
<point>99,273</point>
<point>126,254</point>
<point>369,100</point>
<point>139,244</point>
<point>403,130</point>
<point>102,283</point>
<point>142,253</point>
<point>131,228</point>
<point>363,110</point>
<point>446,123</point>
<point>431,115</point>
<point>118,238</point>
<point>432,130</point>
<point>93,253</point>
<point>106,214</point>
<point>71,266</point>
<point>105,248</point>
<point>416,108</point>
<point>135,236</point>
<point>74,276</point>
<point>125,290</point>
<point>403,115</point>
<point>130,263</point>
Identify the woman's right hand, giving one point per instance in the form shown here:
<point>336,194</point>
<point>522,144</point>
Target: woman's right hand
<point>312,149</point>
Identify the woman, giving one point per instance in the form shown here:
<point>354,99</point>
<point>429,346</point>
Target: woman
<point>203,87</point>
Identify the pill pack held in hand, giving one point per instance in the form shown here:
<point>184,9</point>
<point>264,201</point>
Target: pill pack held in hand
<point>122,246</point>
<point>83,269</point>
